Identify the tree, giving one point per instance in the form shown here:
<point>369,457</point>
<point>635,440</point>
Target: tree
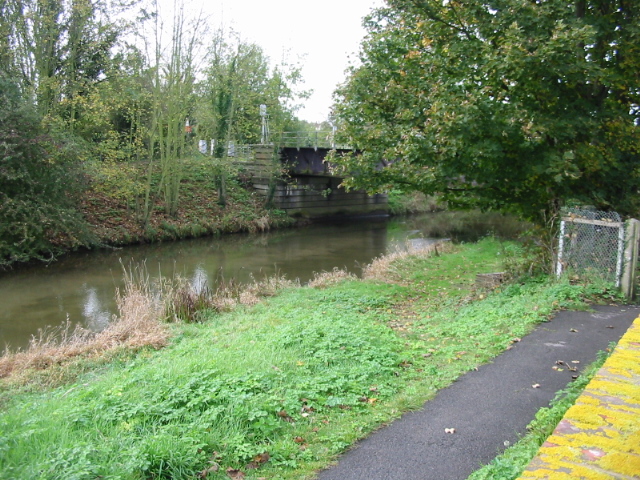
<point>516,105</point>
<point>58,49</point>
<point>239,80</point>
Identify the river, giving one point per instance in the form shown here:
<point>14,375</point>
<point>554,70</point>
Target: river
<point>81,287</point>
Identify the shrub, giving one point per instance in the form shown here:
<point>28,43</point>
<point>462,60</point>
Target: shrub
<point>38,180</point>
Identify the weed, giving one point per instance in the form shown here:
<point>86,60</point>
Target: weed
<point>326,279</point>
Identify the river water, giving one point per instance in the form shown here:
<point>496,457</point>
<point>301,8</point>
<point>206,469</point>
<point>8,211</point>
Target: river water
<point>81,287</point>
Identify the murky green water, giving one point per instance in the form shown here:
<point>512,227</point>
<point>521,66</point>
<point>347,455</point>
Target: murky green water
<point>81,287</point>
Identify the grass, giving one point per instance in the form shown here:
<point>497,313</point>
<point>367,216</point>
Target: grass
<point>277,389</point>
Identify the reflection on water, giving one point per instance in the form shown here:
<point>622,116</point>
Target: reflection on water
<point>96,316</point>
<point>81,287</point>
<point>200,279</point>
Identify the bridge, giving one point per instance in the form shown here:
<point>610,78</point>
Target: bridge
<point>293,176</point>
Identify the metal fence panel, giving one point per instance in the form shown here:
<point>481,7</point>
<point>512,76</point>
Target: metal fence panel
<point>591,242</point>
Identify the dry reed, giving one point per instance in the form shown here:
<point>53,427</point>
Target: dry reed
<point>138,324</point>
<point>327,279</point>
<point>382,268</point>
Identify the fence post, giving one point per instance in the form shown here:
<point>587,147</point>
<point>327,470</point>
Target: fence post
<point>560,249</point>
<point>632,240</point>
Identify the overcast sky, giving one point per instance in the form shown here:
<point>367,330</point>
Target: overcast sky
<point>326,32</point>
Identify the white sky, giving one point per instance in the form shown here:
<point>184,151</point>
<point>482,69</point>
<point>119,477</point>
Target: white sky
<point>326,32</point>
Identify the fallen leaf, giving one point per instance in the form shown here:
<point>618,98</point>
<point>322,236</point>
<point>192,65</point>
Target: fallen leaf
<point>573,330</point>
<point>575,361</point>
<point>536,385</point>
<point>262,458</point>
<point>212,469</point>
<point>235,474</point>
<point>449,430</point>
<point>299,440</point>
<point>285,416</point>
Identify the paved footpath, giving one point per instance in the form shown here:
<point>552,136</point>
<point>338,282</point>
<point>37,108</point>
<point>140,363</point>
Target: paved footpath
<point>491,407</point>
<point>599,437</point>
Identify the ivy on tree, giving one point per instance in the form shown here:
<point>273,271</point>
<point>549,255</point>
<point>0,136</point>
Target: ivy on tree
<point>515,105</point>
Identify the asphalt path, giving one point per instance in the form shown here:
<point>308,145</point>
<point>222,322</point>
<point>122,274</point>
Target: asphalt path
<point>488,408</point>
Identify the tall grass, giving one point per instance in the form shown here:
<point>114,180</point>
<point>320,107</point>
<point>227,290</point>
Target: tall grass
<point>137,324</point>
<point>388,266</point>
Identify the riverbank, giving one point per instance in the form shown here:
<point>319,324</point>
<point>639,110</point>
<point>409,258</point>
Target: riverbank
<point>277,389</point>
<point>110,212</point>
<point>116,220</point>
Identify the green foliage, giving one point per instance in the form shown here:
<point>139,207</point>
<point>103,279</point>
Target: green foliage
<point>281,387</point>
<point>510,105</point>
<point>58,50</point>
<point>403,203</point>
<point>123,106</point>
<point>38,180</point>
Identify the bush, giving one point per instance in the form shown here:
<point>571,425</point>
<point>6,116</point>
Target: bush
<point>38,180</point>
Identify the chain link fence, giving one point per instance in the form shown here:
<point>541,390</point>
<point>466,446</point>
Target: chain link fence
<point>591,242</point>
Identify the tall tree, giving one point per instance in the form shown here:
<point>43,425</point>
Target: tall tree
<point>515,105</point>
<point>172,69</point>
<point>55,48</point>
<point>240,78</point>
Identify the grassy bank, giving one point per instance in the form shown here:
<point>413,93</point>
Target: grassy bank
<point>277,389</point>
<point>116,218</point>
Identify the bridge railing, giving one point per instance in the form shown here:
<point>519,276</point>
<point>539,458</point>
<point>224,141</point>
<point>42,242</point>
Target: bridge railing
<point>315,139</point>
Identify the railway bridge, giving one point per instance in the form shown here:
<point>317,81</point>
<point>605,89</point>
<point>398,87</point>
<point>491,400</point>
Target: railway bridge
<point>294,176</point>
